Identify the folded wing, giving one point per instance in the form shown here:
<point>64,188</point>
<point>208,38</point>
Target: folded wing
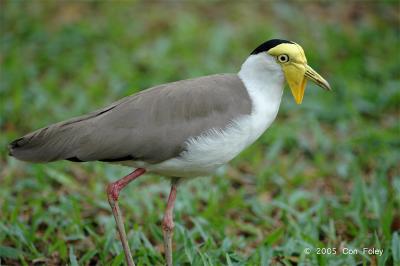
<point>150,126</point>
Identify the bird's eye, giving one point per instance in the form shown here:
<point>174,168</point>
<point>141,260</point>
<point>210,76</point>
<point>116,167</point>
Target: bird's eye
<point>283,58</point>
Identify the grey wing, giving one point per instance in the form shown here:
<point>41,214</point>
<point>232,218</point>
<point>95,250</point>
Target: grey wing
<point>150,126</point>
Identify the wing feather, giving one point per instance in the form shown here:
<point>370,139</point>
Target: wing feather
<point>150,126</point>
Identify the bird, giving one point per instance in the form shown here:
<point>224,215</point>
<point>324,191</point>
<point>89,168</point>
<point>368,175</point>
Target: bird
<point>179,130</point>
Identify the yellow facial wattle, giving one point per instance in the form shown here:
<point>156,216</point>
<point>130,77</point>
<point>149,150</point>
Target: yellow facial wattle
<point>296,70</point>
<point>295,77</point>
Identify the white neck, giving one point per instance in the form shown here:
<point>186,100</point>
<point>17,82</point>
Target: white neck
<point>263,78</point>
<point>260,72</point>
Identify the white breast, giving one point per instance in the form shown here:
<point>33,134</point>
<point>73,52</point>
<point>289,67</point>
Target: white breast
<point>263,79</point>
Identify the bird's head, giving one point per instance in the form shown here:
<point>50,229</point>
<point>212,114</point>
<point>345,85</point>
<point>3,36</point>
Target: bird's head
<point>290,56</point>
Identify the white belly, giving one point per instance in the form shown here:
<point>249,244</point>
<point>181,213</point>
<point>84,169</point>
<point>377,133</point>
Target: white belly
<point>206,153</point>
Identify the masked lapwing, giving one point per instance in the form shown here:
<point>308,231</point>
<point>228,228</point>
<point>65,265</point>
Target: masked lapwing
<point>179,130</point>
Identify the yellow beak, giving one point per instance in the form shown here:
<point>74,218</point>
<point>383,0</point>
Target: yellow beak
<point>296,76</point>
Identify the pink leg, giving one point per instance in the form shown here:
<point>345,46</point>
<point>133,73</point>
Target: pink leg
<point>113,190</point>
<point>168,222</point>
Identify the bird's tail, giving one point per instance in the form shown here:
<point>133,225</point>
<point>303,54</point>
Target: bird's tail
<point>61,141</point>
<point>48,144</point>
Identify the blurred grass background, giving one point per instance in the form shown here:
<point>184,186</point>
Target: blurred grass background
<point>326,174</point>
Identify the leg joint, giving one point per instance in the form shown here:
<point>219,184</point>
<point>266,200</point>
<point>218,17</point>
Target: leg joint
<point>113,190</point>
<point>168,223</point>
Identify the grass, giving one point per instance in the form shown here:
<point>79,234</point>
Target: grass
<point>325,175</point>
